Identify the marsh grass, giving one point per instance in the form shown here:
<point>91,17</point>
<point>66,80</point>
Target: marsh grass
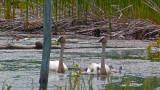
<point>79,9</point>
<point>77,82</point>
<point>27,2</point>
<point>5,86</point>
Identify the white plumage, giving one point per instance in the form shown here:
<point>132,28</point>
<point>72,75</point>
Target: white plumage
<point>53,66</point>
<point>94,66</point>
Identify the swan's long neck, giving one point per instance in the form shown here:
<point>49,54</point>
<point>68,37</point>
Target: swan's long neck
<point>61,67</point>
<point>61,52</point>
<point>103,70</point>
<point>103,56</point>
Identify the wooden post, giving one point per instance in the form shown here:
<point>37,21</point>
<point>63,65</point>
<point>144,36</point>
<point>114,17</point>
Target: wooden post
<point>46,45</point>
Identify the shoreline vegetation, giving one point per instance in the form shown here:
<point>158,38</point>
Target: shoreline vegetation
<point>120,19</point>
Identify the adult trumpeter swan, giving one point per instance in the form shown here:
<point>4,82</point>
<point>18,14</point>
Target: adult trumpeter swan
<point>59,66</point>
<point>104,69</point>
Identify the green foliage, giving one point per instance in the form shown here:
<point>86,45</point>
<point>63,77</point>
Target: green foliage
<point>7,9</point>
<point>151,83</point>
<point>6,86</point>
<point>79,9</point>
<point>27,23</point>
<point>58,87</point>
<point>76,78</point>
<point>127,84</point>
<point>9,87</point>
<point>154,55</point>
<point>75,83</point>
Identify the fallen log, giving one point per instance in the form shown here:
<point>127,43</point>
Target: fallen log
<point>26,47</point>
<point>38,45</point>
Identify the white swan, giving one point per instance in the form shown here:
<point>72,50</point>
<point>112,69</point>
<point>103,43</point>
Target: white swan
<point>93,68</point>
<point>59,66</point>
<point>101,68</point>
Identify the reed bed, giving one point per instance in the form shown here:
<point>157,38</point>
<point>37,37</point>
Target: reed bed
<point>79,9</point>
<point>77,82</point>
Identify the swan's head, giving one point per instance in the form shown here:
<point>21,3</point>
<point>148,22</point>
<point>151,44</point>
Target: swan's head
<point>61,39</point>
<point>103,40</point>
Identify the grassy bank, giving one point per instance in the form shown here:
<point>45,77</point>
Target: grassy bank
<point>79,9</point>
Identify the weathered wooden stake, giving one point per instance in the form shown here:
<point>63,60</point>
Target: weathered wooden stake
<point>46,45</point>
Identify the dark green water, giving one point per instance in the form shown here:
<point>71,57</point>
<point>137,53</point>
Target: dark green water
<point>21,68</point>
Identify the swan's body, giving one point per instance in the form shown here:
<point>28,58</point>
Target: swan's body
<point>93,67</point>
<point>106,68</point>
<point>53,66</point>
<point>59,66</point>
<point>100,68</point>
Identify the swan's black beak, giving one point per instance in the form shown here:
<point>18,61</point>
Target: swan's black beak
<point>99,41</point>
<point>59,40</point>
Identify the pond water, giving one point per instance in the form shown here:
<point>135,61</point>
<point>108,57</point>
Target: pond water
<point>21,68</point>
